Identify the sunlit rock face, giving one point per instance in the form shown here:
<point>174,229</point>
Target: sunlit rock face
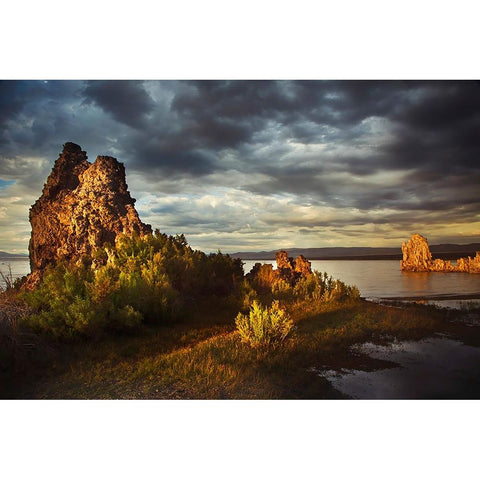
<point>417,258</point>
<point>287,264</point>
<point>83,205</point>
<point>290,269</point>
<point>303,266</point>
<point>469,264</point>
<point>416,255</point>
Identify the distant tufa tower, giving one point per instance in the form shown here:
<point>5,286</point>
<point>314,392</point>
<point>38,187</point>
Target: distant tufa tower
<point>418,258</point>
<point>83,205</point>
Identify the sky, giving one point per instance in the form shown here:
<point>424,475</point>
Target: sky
<point>258,165</point>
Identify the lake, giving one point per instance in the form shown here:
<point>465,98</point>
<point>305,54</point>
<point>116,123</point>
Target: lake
<point>382,279</point>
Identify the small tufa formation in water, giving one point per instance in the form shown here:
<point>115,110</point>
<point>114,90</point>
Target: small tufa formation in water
<point>82,207</point>
<point>418,258</point>
<point>288,270</point>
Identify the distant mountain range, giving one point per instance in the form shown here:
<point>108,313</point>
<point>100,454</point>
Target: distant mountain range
<point>446,251</point>
<point>11,256</point>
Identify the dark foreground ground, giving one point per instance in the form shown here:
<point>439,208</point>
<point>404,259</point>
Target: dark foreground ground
<point>203,357</point>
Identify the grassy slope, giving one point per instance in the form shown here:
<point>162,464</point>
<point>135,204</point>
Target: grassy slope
<point>204,358</point>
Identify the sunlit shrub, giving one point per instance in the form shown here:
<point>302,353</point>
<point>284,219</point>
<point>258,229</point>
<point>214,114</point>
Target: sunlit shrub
<point>310,287</point>
<point>338,291</point>
<point>324,288</point>
<point>264,326</point>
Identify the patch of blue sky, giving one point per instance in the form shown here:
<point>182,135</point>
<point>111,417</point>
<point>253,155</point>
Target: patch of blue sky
<point>5,183</point>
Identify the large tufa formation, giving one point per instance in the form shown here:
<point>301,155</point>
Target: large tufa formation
<point>416,255</point>
<point>418,258</point>
<point>83,206</point>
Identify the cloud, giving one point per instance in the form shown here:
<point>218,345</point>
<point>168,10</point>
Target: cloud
<point>127,101</point>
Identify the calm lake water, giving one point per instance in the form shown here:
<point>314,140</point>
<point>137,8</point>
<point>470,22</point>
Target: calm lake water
<point>383,279</point>
<point>19,268</point>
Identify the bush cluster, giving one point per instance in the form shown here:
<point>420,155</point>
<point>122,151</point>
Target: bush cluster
<point>266,327</point>
<point>140,280</point>
<point>156,278</point>
<point>322,287</point>
<point>291,286</point>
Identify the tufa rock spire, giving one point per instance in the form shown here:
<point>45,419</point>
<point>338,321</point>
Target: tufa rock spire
<point>83,205</point>
<point>416,254</point>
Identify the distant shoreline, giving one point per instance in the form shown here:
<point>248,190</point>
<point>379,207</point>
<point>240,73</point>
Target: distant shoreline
<point>446,296</point>
<point>441,255</point>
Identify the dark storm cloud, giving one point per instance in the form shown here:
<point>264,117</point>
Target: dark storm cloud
<point>438,128</point>
<point>10,102</point>
<point>171,160</point>
<point>334,103</point>
<point>39,116</point>
<point>19,102</point>
<point>126,101</point>
<point>443,104</point>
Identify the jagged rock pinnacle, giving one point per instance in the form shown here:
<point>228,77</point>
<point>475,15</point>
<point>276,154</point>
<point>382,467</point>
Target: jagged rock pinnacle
<point>83,205</point>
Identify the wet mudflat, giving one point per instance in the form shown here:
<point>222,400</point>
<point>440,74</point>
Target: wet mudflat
<point>432,368</point>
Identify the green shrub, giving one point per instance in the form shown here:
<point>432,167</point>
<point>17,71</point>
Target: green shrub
<point>310,287</point>
<point>339,292</point>
<point>322,287</point>
<point>247,294</point>
<point>264,327</point>
<point>281,289</point>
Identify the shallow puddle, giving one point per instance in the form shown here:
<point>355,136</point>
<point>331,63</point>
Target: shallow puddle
<point>428,369</point>
<point>455,304</point>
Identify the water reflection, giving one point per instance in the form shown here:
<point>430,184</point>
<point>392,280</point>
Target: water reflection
<point>417,283</point>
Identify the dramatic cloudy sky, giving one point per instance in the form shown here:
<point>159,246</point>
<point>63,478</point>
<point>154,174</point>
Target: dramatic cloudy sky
<point>254,165</point>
